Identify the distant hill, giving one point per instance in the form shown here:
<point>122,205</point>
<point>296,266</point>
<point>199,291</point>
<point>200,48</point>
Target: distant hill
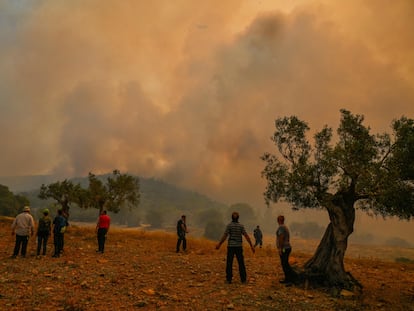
<point>159,200</point>
<point>26,183</point>
<point>152,190</point>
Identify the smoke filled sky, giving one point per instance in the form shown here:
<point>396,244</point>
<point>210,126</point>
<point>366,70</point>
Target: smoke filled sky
<point>188,91</point>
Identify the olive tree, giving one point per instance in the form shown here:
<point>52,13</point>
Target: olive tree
<point>374,173</point>
<point>11,204</point>
<point>117,191</point>
<point>65,193</point>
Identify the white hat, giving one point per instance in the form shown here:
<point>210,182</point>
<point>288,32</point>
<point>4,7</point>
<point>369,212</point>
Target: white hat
<point>26,209</point>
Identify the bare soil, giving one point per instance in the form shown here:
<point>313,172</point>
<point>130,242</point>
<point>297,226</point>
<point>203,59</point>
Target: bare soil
<point>141,271</point>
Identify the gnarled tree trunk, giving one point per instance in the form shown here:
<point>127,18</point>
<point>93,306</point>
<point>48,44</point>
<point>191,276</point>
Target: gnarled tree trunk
<point>65,208</point>
<point>326,267</point>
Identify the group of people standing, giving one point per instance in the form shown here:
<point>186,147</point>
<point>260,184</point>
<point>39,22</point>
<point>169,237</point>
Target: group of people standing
<point>23,227</point>
<point>234,233</point>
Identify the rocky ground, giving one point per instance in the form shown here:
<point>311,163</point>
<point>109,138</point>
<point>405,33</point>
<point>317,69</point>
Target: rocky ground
<point>141,271</point>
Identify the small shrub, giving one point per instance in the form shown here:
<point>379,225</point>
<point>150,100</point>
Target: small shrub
<point>404,260</point>
<point>396,241</point>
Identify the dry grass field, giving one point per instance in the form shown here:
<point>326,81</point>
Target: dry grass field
<point>141,271</point>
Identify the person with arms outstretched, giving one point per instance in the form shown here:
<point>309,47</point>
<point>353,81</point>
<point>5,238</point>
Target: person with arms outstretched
<point>235,232</point>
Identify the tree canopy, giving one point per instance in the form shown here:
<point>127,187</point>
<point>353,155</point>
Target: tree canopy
<point>357,169</point>
<point>118,191</point>
<point>11,204</point>
<point>63,192</point>
<point>377,171</point>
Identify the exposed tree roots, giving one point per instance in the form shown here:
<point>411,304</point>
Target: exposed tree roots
<point>309,279</point>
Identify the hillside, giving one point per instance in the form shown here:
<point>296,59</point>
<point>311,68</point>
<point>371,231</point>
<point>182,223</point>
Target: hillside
<point>25,183</point>
<point>141,271</point>
<point>154,191</point>
<point>161,203</point>
<point>156,195</point>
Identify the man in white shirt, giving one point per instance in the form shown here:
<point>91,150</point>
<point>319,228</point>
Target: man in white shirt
<point>22,226</point>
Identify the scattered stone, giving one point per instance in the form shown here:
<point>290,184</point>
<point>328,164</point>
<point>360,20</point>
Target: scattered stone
<point>347,294</point>
<point>141,304</point>
<point>150,292</point>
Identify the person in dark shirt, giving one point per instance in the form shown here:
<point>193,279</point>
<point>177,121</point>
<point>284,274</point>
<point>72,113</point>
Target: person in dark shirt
<point>181,232</point>
<point>235,232</point>
<point>258,236</point>
<point>43,232</point>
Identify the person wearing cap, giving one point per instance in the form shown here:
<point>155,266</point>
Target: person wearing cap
<point>22,227</point>
<point>43,232</point>
<point>235,232</point>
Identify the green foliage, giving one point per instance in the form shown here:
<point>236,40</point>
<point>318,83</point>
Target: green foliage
<point>64,193</point>
<point>374,172</point>
<point>168,199</point>
<point>10,204</point>
<point>403,152</point>
<point>119,190</point>
<point>122,189</point>
<point>404,260</point>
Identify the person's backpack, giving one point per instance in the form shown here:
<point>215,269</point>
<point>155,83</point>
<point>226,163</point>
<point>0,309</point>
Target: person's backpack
<point>44,225</point>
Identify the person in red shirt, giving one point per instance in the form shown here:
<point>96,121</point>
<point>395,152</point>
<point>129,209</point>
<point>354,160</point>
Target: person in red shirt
<point>102,228</point>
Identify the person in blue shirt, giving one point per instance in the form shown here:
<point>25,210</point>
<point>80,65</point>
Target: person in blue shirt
<point>59,227</point>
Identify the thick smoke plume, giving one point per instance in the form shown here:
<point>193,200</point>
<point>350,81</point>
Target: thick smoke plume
<point>187,91</point>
